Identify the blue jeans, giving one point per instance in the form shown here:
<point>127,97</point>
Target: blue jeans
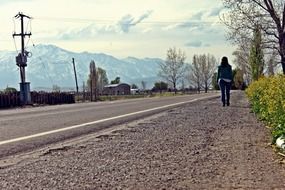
<point>225,90</point>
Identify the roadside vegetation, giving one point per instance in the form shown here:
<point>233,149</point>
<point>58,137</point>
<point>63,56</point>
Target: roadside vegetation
<point>267,97</point>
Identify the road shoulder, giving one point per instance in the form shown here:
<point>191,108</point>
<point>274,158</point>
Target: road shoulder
<point>198,146</point>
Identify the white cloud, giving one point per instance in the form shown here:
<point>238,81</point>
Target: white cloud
<point>91,31</point>
<point>171,27</point>
<point>129,21</point>
<point>119,27</point>
<point>2,2</point>
<point>198,16</point>
<point>147,30</point>
<point>194,44</point>
<point>216,11</point>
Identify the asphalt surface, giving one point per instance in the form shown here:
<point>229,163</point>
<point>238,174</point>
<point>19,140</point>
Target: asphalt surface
<point>30,128</point>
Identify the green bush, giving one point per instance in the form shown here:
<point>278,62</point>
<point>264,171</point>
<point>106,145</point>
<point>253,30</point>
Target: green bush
<point>267,97</point>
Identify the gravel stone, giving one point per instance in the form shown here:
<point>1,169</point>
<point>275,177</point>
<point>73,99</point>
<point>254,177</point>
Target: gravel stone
<point>200,145</point>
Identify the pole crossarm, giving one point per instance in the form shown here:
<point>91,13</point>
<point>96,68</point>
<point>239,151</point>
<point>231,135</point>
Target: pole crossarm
<point>25,34</point>
<point>21,15</point>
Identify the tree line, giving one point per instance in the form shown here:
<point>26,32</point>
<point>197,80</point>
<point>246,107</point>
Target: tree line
<point>257,27</point>
<point>174,71</point>
<point>200,74</point>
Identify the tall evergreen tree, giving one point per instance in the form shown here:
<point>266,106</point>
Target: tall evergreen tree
<point>256,57</point>
<point>92,82</point>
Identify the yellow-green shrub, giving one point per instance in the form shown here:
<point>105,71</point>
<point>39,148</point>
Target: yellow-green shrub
<point>267,97</point>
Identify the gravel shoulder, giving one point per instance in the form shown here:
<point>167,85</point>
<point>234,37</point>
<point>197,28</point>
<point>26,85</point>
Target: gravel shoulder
<point>200,145</point>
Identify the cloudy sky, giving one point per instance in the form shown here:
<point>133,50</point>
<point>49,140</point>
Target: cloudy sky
<point>139,28</point>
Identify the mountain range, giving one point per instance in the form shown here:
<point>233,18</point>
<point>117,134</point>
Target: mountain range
<point>51,65</point>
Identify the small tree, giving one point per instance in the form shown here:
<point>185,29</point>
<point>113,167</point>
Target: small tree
<point>10,90</point>
<point>238,79</point>
<point>134,86</point>
<point>241,60</point>
<point>161,86</point>
<point>214,81</point>
<point>55,88</point>
<point>116,81</point>
<point>143,85</point>
<point>172,70</point>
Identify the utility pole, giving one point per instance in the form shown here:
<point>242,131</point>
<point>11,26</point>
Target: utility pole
<point>83,86</point>
<point>21,62</point>
<point>75,75</point>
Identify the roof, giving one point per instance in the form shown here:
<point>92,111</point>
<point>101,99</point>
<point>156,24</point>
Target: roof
<point>115,85</point>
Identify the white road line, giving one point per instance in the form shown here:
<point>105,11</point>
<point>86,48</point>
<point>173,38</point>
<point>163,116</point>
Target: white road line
<point>98,121</point>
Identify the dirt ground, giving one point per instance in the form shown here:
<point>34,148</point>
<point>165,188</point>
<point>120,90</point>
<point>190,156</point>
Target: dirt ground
<point>200,145</point>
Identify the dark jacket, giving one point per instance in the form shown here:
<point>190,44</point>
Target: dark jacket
<point>225,72</point>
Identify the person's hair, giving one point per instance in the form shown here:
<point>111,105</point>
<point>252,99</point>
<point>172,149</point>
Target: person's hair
<point>224,62</point>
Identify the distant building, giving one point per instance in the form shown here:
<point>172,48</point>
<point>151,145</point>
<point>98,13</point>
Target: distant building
<point>135,91</point>
<point>117,89</point>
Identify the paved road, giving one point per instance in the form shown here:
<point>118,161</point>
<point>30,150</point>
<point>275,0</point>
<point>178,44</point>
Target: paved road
<point>24,129</point>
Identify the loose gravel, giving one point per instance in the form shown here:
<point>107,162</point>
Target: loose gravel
<point>200,145</point>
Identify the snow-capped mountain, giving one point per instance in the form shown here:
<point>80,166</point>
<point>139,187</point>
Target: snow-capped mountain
<point>50,65</point>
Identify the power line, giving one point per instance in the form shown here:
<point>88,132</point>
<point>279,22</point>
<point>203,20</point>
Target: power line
<point>44,67</point>
<point>107,21</point>
<point>47,73</point>
<point>15,44</point>
<point>29,23</point>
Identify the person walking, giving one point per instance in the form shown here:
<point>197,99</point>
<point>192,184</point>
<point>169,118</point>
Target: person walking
<point>224,79</point>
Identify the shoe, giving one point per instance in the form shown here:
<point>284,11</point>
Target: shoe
<point>228,104</point>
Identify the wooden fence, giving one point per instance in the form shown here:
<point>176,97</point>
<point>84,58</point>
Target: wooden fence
<point>9,100</point>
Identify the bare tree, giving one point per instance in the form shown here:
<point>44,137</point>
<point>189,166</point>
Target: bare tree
<point>195,76</point>
<point>241,60</point>
<point>202,71</point>
<point>102,79</point>
<point>272,63</point>
<point>208,68</point>
<point>172,70</point>
<point>97,80</point>
<point>244,15</point>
